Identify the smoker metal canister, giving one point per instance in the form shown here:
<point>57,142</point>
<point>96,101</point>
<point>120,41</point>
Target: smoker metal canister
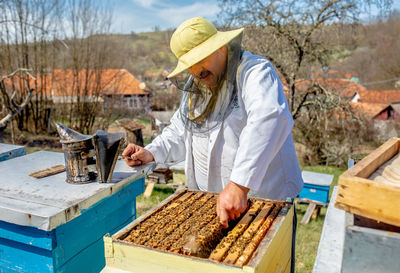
<point>79,155</point>
<point>79,161</point>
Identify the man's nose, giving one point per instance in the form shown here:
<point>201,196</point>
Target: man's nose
<point>195,70</point>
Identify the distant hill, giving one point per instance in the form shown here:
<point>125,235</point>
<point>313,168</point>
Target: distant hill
<point>143,52</point>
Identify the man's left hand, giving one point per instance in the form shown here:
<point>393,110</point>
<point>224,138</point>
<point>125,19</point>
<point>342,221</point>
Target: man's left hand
<point>231,203</point>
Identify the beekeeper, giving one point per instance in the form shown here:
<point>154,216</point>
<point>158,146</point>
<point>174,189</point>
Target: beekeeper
<point>233,126</point>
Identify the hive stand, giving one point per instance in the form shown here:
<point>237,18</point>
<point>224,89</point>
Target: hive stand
<point>315,193</point>
<point>8,151</point>
<point>161,174</point>
<point>48,225</point>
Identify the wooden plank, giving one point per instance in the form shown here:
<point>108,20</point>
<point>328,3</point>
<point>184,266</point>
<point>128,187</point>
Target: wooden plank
<point>149,189</point>
<point>389,172</point>
<point>310,209</point>
<point>373,199</point>
<point>139,259</point>
<point>49,171</point>
<point>316,212</point>
<point>369,198</point>
<point>370,163</point>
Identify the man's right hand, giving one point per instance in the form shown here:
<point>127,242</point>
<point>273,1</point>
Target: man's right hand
<point>136,155</point>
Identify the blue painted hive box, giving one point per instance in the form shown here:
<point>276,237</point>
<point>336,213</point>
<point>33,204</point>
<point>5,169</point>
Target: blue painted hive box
<point>48,225</point>
<point>316,186</point>
<point>8,151</point>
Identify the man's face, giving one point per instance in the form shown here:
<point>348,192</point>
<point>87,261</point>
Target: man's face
<point>211,70</point>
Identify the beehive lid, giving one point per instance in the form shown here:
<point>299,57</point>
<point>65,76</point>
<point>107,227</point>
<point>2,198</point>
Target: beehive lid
<point>50,201</point>
<point>319,179</point>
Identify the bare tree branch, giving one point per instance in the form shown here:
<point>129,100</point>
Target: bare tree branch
<point>13,107</point>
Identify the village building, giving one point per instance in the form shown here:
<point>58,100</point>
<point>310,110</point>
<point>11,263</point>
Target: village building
<point>108,87</point>
<point>370,101</point>
<point>345,88</point>
<point>113,87</point>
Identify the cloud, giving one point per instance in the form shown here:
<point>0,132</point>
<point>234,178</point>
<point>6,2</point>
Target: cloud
<point>145,3</point>
<point>176,15</point>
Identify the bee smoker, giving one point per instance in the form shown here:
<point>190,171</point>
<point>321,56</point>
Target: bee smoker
<point>89,156</point>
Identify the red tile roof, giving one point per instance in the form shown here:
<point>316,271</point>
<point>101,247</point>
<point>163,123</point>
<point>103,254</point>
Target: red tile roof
<point>89,82</point>
<point>344,88</point>
<point>369,110</point>
<point>380,96</point>
<point>18,84</point>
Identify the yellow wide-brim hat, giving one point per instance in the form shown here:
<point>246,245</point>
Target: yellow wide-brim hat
<point>196,39</point>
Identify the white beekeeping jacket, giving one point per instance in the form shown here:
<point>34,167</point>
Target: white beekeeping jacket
<point>253,146</point>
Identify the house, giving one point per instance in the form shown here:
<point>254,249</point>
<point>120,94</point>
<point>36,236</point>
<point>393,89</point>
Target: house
<point>116,87</point>
<point>377,96</point>
<point>375,111</point>
<point>343,87</point>
<point>107,87</point>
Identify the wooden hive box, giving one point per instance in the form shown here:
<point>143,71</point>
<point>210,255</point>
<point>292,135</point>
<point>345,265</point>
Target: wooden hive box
<point>372,187</point>
<point>273,253</point>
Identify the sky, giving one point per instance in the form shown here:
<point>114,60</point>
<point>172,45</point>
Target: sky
<point>144,15</point>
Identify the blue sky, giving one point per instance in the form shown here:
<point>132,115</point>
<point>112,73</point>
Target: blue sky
<point>144,15</point>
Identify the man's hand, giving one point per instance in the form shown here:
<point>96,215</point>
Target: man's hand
<point>231,203</point>
<point>136,155</point>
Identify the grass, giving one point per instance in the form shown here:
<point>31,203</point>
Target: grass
<point>159,193</point>
<point>307,237</point>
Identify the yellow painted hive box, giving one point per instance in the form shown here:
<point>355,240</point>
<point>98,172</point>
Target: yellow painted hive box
<point>371,188</point>
<point>183,234</point>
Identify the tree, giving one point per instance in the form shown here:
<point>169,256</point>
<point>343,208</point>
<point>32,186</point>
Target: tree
<point>26,27</point>
<point>328,128</point>
<point>89,53</point>
<point>288,32</point>
<point>8,105</point>
<point>41,35</point>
